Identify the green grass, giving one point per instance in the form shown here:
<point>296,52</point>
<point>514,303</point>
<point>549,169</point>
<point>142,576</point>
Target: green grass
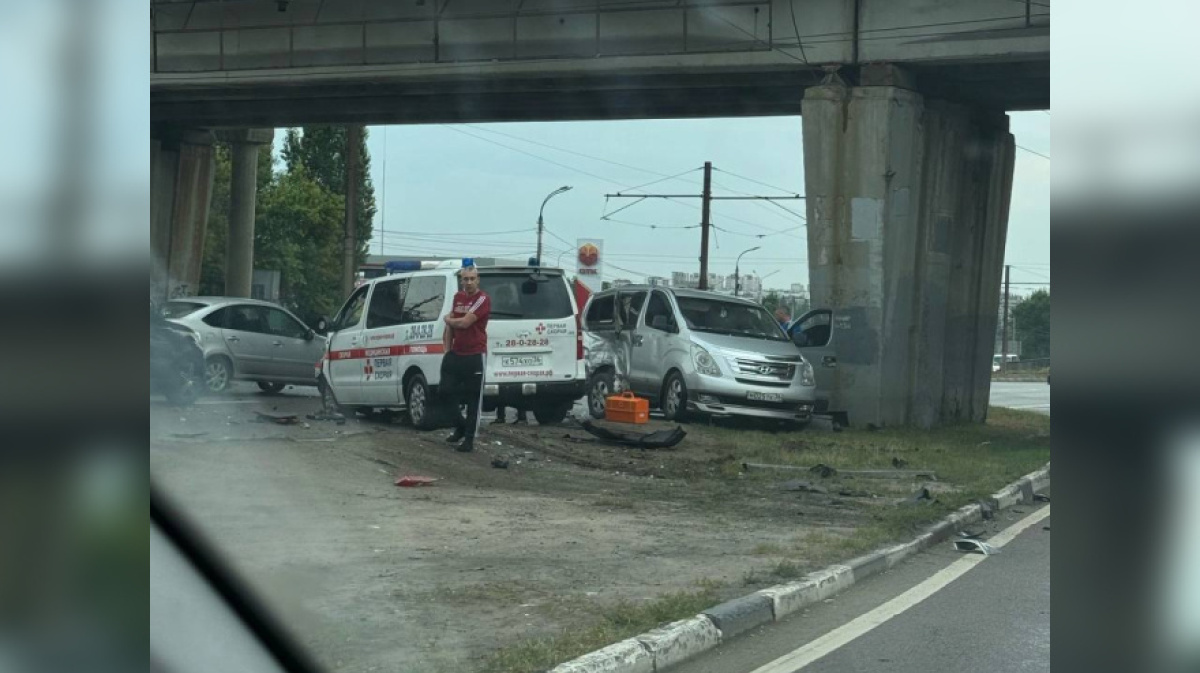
<point>616,623</point>
<point>976,458</point>
<point>767,549</point>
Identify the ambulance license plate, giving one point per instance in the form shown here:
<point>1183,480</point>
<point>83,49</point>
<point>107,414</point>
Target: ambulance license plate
<point>764,397</point>
<point>510,361</point>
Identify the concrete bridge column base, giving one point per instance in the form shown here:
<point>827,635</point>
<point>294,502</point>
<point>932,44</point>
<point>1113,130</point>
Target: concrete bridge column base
<point>908,203</point>
<point>243,192</point>
<point>181,178</point>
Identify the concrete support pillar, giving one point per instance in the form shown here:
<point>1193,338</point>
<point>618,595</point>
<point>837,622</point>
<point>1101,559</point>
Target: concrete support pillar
<point>243,188</point>
<point>181,174</point>
<point>239,245</point>
<point>907,213</point>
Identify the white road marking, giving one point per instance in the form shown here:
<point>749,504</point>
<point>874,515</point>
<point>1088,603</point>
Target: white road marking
<point>1030,406</point>
<point>860,626</point>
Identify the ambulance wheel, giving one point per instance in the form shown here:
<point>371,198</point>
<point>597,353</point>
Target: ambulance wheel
<point>270,388</point>
<point>329,400</point>
<point>600,387</point>
<point>419,402</point>
<point>551,414</point>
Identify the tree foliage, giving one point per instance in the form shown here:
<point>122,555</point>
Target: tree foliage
<point>299,219</point>
<point>212,270</point>
<point>299,233</point>
<point>1031,320</point>
<point>321,151</point>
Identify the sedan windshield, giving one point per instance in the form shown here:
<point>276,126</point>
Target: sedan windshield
<point>727,317</point>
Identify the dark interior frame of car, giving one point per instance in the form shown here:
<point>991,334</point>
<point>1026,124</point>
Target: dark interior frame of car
<point>233,591</point>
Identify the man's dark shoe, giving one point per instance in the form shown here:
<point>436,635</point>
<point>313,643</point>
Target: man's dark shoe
<point>456,437</point>
<point>499,421</point>
<point>467,446</point>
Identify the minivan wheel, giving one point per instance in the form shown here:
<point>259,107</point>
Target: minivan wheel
<point>602,385</point>
<point>674,398</point>
<point>270,388</point>
<point>417,399</point>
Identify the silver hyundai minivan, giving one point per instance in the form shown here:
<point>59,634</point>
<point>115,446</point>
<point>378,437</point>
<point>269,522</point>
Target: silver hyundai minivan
<point>694,352</point>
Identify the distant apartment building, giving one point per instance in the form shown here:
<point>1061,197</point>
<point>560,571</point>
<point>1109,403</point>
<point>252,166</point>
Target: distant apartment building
<point>621,282</point>
<point>657,281</point>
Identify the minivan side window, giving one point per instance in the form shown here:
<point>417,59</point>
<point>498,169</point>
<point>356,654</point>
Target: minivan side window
<point>352,312</point>
<point>424,300</point>
<point>629,307</point>
<point>660,309</point>
<point>600,313</point>
<point>387,304</point>
<point>815,328</point>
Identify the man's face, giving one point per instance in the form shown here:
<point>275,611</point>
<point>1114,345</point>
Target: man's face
<point>469,279</point>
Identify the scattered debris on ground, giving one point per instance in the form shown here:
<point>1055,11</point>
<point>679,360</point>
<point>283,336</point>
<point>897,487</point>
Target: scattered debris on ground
<point>327,416</point>
<point>281,419</point>
<point>661,439</point>
<point>410,480</point>
<point>500,463</point>
<point>921,497</point>
<point>825,471</point>
<point>1041,497</point>
<point>802,487</point>
<point>975,546</point>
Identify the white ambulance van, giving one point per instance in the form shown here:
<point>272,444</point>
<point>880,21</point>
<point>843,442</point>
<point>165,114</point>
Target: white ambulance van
<point>385,344</point>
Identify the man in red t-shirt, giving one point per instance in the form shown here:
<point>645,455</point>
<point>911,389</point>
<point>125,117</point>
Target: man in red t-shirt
<point>466,344</point>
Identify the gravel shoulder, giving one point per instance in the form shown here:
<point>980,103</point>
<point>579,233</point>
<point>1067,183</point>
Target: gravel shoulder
<point>374,577</point>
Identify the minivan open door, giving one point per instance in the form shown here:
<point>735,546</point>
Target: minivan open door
<point>813,334</point>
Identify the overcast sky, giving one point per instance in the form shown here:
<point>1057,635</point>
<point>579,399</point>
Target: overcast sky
<point>485,182</point>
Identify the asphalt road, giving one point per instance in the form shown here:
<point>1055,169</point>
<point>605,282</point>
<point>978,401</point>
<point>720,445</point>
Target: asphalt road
<point>995,617</point>
<point>1026,396</point>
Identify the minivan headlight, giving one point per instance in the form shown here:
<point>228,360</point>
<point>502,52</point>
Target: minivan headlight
<point>705,364</point>
<point>807,378</point>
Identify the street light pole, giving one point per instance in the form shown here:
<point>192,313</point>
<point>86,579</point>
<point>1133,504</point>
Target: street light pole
<point>541,223</point>
<point>737,271</point>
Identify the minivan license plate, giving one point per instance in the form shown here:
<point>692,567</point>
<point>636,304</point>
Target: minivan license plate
<point>764,397</point>
<point>521,361</point>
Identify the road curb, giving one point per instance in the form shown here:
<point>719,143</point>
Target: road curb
<point>672,643</point>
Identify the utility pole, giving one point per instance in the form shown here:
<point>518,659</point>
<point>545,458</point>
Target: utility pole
<point>350,241</point>
<point>706,199</point>
<point>705,223</point>
<point>1004,328</point>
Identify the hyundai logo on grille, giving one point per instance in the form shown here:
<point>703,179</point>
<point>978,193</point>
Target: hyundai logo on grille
<point>765,370</point>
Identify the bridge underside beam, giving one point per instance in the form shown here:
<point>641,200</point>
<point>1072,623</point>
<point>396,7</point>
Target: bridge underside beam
<point>278,102</point>
<point>908,202</point>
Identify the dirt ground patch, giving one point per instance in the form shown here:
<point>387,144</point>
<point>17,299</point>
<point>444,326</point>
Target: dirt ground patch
<point>493,568</point>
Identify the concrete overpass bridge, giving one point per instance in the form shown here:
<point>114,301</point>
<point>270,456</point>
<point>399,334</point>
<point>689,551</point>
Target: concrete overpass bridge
<point>908,158</point>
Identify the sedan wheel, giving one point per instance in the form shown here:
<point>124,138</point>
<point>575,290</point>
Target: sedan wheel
<point>217,375</point>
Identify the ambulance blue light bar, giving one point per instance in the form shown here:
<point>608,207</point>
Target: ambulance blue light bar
<point>415,265</point>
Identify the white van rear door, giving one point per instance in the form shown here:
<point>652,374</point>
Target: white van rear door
<point>532,334</point>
